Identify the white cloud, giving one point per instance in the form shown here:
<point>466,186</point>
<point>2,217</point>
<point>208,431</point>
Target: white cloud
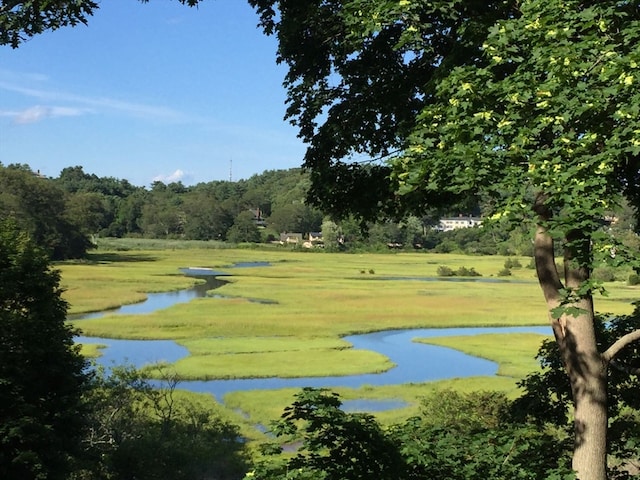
<point>39,112</point>
<point>97,102</point>
<point>176,176</point>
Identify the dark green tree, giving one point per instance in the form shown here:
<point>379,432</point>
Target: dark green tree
<point>295,217</point>
<point>162,214</point>
<point>42,374</point>
<point>128,215</point>
<point>74,179</point>
<point>382,234</point>
<point>89,211</point>
<point>244,229</point>
<point>147,432</point>
<point>335,445</point>
<point>354,94</point>
<point>206,217</point>
<point>37,206</point>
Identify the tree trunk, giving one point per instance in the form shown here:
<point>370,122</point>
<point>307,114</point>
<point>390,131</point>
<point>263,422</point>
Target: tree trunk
<point>585,367</point>
<point>588,377</point>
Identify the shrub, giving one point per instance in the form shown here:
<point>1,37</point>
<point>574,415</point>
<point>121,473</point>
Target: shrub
<point>476,427</point>
<point>604,274</point>
<point>446,246</point>
<point>505,272</point>
<point>467,272</point>
<point>634,279</point>
<point>512,263</point>
<point>444,271</point>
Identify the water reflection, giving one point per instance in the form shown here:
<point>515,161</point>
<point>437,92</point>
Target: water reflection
<point>138,353</point>
<point>158,301</point>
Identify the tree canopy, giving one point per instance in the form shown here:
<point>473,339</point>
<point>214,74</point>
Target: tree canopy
<point>359,73</point>
<point>455,436</point>
<point>549,119</point>
<point>38,207</point>
<point>42,374</point>
<point>531,106</point>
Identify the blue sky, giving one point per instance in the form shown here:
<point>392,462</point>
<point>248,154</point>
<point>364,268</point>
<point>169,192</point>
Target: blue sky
<point>146,92</point>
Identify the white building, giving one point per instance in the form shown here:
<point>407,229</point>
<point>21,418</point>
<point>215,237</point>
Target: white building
<point>453,223</point>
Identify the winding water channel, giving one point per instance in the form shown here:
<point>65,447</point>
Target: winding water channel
<point>415,362</point>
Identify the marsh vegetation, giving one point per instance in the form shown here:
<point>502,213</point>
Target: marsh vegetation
<point>315,299</point>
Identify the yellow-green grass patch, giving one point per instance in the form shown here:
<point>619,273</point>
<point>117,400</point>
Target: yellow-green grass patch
<point>110,279</point>
<point>91,350</point>
<point>329,308</point>
<point>220,345</point>
<point>297,363</point>
<point>319,295</point>
<point>514,352</point>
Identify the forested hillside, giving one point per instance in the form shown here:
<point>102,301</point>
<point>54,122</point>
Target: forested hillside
<point>66,215</point>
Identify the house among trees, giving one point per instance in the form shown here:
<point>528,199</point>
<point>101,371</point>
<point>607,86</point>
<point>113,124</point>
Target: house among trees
<point>452,223</point>
<point>313,240</point>
<point>290,238</point>
<point>258,218</point>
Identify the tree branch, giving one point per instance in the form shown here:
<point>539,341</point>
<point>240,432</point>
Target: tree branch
<point>624,368</point>
<point>544,257</point>
<point>619,344</point>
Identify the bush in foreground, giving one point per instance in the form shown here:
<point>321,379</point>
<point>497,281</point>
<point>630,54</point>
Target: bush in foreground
<point>456,436</point>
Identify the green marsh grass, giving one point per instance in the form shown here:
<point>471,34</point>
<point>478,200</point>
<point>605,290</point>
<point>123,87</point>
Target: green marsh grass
<point>319,295</point>
<point>315,299</point>
<point>247,357</point>
<point>295,363</point>
<point>514,353</point>
<point>208,346</point>
<point>91,350</point>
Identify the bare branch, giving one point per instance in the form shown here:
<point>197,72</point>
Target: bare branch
<point>619,344</point>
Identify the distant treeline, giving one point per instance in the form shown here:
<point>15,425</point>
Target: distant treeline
<point>66,214</point>
<point>63,214</point>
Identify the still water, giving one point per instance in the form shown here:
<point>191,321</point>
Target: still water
<point>415,362</point>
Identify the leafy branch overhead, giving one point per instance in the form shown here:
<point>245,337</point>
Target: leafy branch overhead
<point>531,105</point>
<point>358,78</point>
<point>551,113</point>
<point>22,19</point>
